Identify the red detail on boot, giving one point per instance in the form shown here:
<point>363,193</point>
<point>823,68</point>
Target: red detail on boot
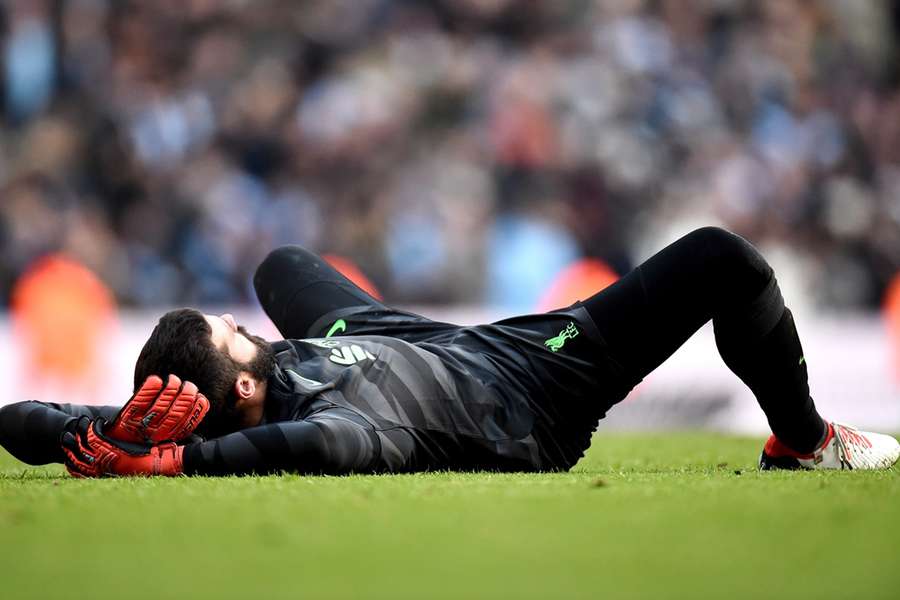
<point>774,447</point>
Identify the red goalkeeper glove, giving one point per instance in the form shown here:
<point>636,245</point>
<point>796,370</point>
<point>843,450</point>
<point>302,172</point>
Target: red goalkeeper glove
<point>90,453</point>
<point>158,413</point>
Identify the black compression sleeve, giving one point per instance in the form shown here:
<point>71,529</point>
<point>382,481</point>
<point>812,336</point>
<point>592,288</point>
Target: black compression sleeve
<point>321,445</point>
<point>30,430</point>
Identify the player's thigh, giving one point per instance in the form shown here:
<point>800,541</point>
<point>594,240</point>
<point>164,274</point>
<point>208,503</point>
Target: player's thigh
<point>650,312</point>
<point>297,288</point>
<point>306,297</point>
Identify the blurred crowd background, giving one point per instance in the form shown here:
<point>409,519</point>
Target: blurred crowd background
<point>458,151</point>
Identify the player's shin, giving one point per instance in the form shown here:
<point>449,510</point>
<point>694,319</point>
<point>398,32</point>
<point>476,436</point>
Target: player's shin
<point>773,366</point>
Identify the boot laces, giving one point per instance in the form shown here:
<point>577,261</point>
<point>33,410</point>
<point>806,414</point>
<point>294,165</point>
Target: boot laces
<point>849,442</point>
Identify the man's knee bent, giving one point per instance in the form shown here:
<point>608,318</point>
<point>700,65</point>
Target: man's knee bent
<point>751,300</point>
<point>289,263</point>
<point>731,257</point>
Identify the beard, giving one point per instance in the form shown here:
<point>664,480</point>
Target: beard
<point>263,364</point>
<point>227,418</point>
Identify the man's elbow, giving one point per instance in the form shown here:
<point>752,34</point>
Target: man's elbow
<point>14,434</point>
<point>10,416</point>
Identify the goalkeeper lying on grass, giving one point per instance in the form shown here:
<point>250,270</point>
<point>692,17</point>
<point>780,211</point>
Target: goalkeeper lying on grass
<point>358,387</point>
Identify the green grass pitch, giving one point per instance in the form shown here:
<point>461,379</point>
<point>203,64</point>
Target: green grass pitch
<point>670,515</point>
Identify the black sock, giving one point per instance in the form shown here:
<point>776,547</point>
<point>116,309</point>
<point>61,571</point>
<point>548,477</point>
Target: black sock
<point>774,368</point>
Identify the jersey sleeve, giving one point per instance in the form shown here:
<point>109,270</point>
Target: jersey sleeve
<point>30,430</point>
<point>332,442</point>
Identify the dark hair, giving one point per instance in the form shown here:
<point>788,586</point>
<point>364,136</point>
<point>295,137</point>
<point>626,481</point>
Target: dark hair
<point>181,344</point>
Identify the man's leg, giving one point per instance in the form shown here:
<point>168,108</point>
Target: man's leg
<point>714,274</point>
<point>297,287</point>
<point>306,297</point>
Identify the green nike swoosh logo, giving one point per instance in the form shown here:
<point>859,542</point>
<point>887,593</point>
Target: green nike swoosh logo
<point>339,326</point>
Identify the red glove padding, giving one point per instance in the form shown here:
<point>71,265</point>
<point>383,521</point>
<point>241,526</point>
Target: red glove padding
<point>89,453</point>
<point>158,414</point>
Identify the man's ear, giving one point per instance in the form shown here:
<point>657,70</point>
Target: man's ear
<point>245,386</point>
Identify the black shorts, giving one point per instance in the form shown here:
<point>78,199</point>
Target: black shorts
<point>562,364</point>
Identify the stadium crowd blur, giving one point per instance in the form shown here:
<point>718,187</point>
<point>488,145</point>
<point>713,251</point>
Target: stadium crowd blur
<point>457,150</point>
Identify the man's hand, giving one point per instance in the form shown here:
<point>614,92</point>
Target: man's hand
<point>158,413</point>
<point>90,453</point>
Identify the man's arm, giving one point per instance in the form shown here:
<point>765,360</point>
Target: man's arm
<point>336,442</point>
<point>30,430</point>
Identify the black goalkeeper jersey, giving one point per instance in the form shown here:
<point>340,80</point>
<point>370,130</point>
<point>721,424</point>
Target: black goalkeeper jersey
<point>521,394</point>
